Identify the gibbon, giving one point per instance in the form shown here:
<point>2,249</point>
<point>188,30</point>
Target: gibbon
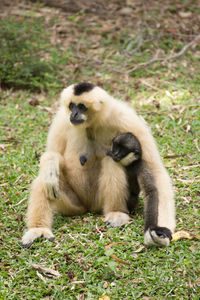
<point>89,118</point>
<point>127,151</point>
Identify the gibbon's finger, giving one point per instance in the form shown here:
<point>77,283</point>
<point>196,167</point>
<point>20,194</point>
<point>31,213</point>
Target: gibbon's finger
<point>35,233</point>
<point>52,191</point>
<point>116,218</point>
<point>158,236</point>
<point>51,182</point>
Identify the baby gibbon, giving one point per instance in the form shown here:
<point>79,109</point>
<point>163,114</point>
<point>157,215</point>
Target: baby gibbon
<point>127,151</point>
<point>89,118</point>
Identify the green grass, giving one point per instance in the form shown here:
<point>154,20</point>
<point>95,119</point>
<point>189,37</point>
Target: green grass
<point>168,98</point>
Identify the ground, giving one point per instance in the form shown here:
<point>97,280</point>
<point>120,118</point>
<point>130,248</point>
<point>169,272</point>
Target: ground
<point>105,46</point>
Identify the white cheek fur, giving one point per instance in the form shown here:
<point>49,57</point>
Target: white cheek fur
<point>127,160</point>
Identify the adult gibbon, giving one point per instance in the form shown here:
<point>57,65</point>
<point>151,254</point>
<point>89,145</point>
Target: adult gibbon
<point>89,118</point>
<point>127,151</point>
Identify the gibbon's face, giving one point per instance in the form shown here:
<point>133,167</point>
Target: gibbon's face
<point>125,149</point>
<point>78,113</point>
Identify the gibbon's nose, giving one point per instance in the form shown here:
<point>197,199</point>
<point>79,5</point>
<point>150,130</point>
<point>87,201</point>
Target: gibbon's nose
<point>74,114</point>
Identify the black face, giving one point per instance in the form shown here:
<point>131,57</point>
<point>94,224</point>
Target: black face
<point>123,144</point>
<point>78,111</point>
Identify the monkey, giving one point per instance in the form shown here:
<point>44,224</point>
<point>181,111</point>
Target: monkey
<point>127,151</point>
<point>89,116</point>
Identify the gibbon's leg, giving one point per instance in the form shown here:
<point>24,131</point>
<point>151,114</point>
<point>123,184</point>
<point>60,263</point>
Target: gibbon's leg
<point>113,192</point>
<point>132,202</point>
<point>44,201</point>
<point>69,204</point>
<point>154,234</point>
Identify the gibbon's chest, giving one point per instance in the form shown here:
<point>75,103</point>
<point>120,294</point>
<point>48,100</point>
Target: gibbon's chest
<point>102,136</point>
<point>83,179</point>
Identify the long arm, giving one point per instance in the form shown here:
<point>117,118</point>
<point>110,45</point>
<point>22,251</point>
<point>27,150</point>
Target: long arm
<point>154,234</point>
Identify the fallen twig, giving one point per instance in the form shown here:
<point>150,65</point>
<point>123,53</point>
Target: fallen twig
<point>196,143</point>
<point>189,167</point>
<point>175,155</point>
<point>20,202</point>
<point>119,260</point>
<point>188,180</point>
<point>165,59</point>
<point>47,271</point>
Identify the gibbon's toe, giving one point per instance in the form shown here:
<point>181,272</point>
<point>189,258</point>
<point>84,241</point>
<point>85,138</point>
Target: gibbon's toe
<point>35,233</point>
<point>51,239</point>
<point>158,236</point>
<point>116,218</point>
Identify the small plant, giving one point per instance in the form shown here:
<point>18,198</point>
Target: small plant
<point>25,58</point>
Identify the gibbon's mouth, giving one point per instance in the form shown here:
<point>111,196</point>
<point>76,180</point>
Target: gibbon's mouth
<point>77,122</point>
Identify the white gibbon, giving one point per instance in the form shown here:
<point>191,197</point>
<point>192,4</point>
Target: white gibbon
<point>83,127</point>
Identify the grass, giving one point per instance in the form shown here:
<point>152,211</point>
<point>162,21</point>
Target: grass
<point>168,98</point>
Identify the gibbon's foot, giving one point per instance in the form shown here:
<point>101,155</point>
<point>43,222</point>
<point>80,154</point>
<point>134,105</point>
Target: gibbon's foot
<point>158,236</point>
<point>116,218</point>
<point>51,182</point>
<point>35,233</point>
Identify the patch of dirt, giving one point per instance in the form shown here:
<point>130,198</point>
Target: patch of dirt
<point>97,31</point>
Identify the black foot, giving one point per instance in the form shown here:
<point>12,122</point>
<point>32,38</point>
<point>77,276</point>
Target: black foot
<point>160,236</point>
<point>163,232</point>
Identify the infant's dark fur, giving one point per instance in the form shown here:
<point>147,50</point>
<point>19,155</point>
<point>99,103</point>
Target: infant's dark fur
<point>126,150</point>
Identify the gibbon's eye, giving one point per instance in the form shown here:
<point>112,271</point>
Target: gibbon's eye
<point>71,105</point>
<point>82,107</point>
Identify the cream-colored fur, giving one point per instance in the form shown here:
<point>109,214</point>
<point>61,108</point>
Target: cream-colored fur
<point>152,239</point>
<point>63,185</point>
<point>128,159</point>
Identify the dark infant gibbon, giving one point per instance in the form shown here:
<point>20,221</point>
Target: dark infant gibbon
<point>127,151</point>
<point>86,122</point>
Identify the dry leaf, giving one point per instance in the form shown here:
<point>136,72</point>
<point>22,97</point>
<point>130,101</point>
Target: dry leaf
<point>41,277</point>
<point>126,11</point>
<point>34,102</point>
<point>105,285</point>
<point>4,184</point>
<point>105,297</point>
<point>45,108</point>
<point>3,146</point>
<point>184,235</point>
<point>139,249</point>
<point>47,271</point>
<point>185,14</point>
<point>188,180</point>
